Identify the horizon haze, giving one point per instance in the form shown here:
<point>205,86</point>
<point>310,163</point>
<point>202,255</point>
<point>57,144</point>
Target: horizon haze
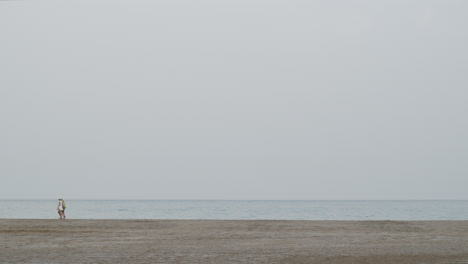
<point>249,100</point>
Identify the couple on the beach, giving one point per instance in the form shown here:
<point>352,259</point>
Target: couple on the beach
<point>61,208</point>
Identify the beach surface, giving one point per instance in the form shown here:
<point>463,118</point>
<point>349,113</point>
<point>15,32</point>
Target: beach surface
<point>232,241</point>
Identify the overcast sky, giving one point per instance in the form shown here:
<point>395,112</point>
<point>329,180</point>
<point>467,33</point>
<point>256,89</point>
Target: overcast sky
<point>235,99</point>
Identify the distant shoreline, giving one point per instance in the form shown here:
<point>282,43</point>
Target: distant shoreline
<point>232,241</point>
<point>245,200</point>
<point>222,220</point>
<point>253,210</point>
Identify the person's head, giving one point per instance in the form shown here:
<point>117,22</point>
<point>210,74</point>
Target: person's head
<point>59,198</point>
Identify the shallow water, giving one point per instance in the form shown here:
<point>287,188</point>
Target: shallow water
<point>281,210</point>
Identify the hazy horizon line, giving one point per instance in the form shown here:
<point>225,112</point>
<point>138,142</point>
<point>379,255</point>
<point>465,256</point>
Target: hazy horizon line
<point>331,200</point>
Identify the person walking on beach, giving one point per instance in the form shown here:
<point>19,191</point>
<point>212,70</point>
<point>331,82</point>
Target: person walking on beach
<point>61,208</point>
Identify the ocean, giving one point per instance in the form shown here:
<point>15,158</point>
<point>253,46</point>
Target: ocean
<point>213,209</point>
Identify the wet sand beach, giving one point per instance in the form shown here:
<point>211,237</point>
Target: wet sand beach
<point>232,241</point>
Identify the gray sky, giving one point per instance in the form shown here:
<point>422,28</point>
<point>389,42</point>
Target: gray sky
<point>236,99</point>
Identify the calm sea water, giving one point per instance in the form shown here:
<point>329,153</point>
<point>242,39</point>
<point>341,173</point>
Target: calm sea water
<point>285,210</point>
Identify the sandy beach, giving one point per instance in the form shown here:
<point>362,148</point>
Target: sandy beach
<point>232,241</point>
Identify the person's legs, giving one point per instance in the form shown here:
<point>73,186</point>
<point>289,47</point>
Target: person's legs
<point>60,213</point>
<point>63,213</point>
